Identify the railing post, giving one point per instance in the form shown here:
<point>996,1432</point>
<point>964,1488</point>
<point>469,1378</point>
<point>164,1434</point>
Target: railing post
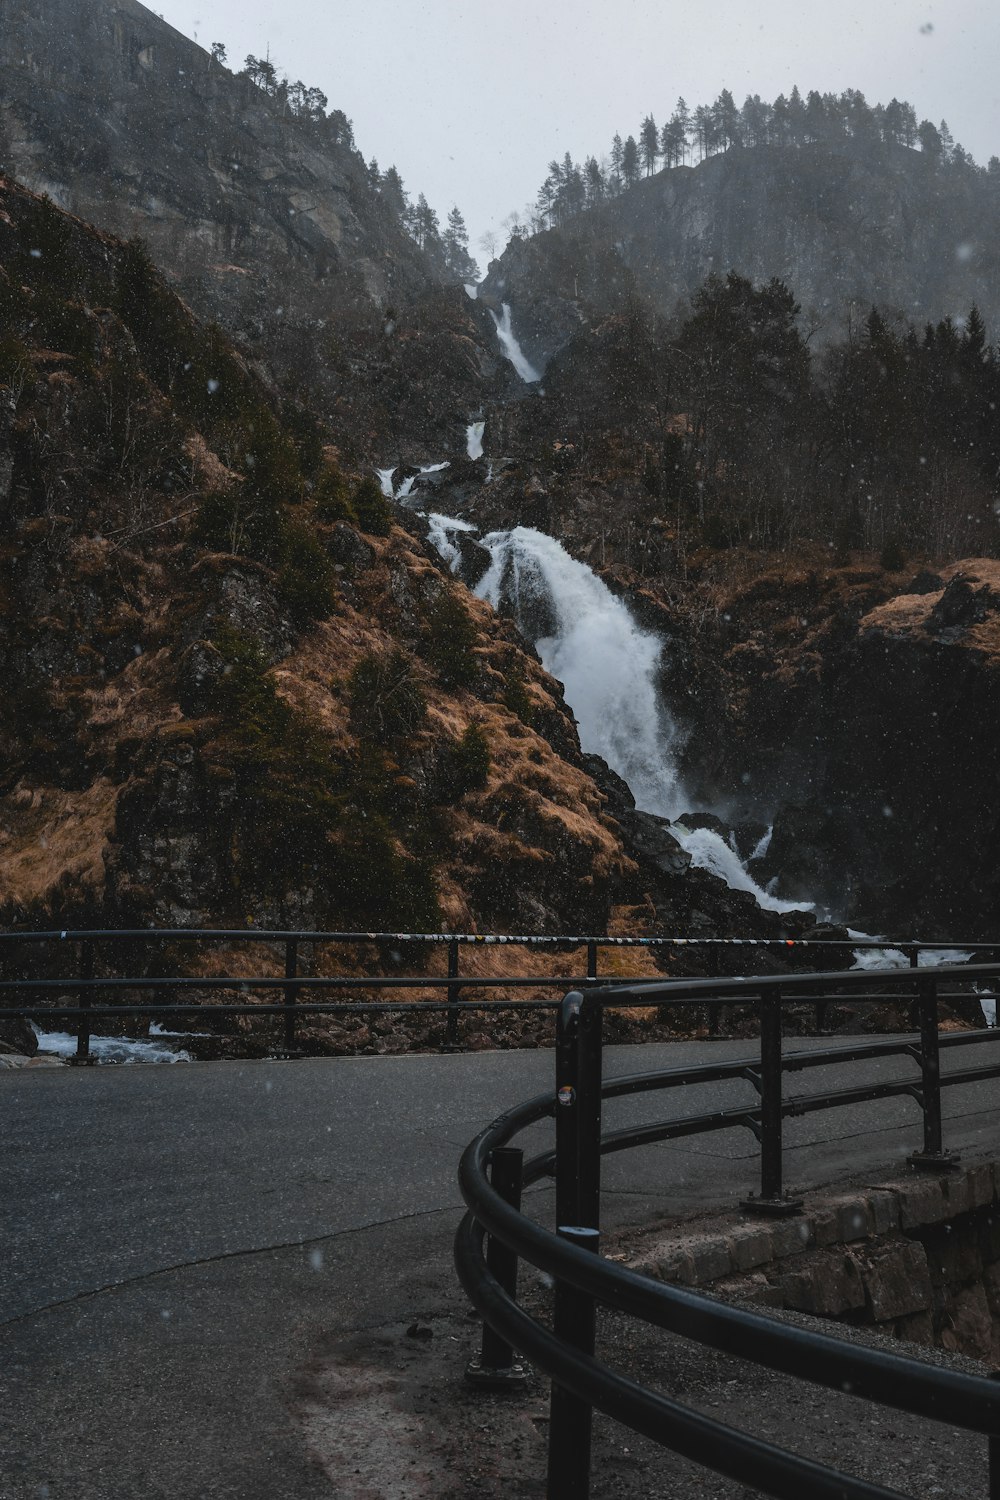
<point>578,1111</point>
<point>592,959</point>
<point>291,992</point>
<point>713,962</point>
<point>590,1071</point>
<point>913,958</point>
<point>770,1101</point>
<point>454,990</point>
<point>772,1199</point>
<point>496,1367</point>
<point>84,999</point>
<point>932,1157</point>
<point>567,1110</point>
<point>570,1419</point>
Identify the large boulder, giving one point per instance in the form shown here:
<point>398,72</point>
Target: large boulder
<point>17,1036</point>
<point>649,840</point>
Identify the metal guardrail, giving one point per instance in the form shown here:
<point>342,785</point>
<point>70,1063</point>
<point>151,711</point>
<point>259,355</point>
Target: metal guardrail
<point>569,1254</point>
<point>89,951</point>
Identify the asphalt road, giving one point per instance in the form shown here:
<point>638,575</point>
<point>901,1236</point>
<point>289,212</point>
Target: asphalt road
<point>178,1241</point>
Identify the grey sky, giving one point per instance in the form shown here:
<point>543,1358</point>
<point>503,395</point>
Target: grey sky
<point>471,100</point>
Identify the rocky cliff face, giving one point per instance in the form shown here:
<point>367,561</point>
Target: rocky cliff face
<point>265,222</point>
<point>845,227</point>
<point>124,121</point>
<point>858,710</point>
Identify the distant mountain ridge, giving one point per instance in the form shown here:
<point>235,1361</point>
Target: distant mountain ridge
<point>846,225</point>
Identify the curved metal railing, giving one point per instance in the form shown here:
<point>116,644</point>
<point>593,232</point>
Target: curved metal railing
<point>566,1351</point>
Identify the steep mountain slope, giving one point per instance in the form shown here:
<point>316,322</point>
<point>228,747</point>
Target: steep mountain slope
<point>264,219</point>
<point>234,687</point>
<point>846,226</point>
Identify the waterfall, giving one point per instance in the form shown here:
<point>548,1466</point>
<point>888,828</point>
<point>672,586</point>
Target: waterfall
<point>512,348</point>
<point>609,668</point>
<point>474,439</point>
<point>385,480</point>
<point>440,530</point>
<point>607,665</point>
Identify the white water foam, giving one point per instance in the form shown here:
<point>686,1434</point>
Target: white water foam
<point>711,852</point>
<point>895,958</point>
<point>385,480</point>
<point>112,1049</point>
<point>440,534</point>
<point>762,845</point>
<point>474,439</point>
<point>512,348</point>
<point>928,958</point>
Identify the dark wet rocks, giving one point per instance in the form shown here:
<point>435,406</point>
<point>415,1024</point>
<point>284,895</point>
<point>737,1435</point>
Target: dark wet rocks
<point>695,820</point>
<point>962,604</point>
<point>17,1036</point>
<point>347,549</point>
<point>241,597</point>
<point>649,839</point>
<point>614,787</point>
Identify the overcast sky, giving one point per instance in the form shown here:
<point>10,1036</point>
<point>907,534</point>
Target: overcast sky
<point>471,100</point>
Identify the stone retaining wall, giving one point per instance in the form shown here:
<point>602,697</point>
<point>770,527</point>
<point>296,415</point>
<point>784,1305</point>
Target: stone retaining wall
<point>917,1256</point>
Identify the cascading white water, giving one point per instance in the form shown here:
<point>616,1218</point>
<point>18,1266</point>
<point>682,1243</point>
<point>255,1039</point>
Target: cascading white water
<point>591,643</point>
<point>512,348</point>
<point>474,439</point>
<point>608,666</point>
<point>440,533</point>
<point>385,480</point>
<point>115,1049</point>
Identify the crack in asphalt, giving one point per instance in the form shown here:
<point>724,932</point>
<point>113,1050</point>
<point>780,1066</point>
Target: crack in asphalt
<point>225,1255</point>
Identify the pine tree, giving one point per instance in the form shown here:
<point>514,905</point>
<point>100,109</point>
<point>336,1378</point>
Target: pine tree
<point>393,192</point>
<point>426,228</point>
<point>673,142</point>
<point>930,141</point>
<point>649,144</point>
<point>815,118</point>
<point>594,181</point>
<point>756,117</point>
<point>630,162</point>
<point>726,120</point>
<point>455,243</point>
<point>617,155</point>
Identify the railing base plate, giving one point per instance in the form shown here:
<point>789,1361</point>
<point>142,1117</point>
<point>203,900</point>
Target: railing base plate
<point>773,1208</point>
<point>934,1161</point>
<point>82,1062</point>
<point>487,1378</point>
